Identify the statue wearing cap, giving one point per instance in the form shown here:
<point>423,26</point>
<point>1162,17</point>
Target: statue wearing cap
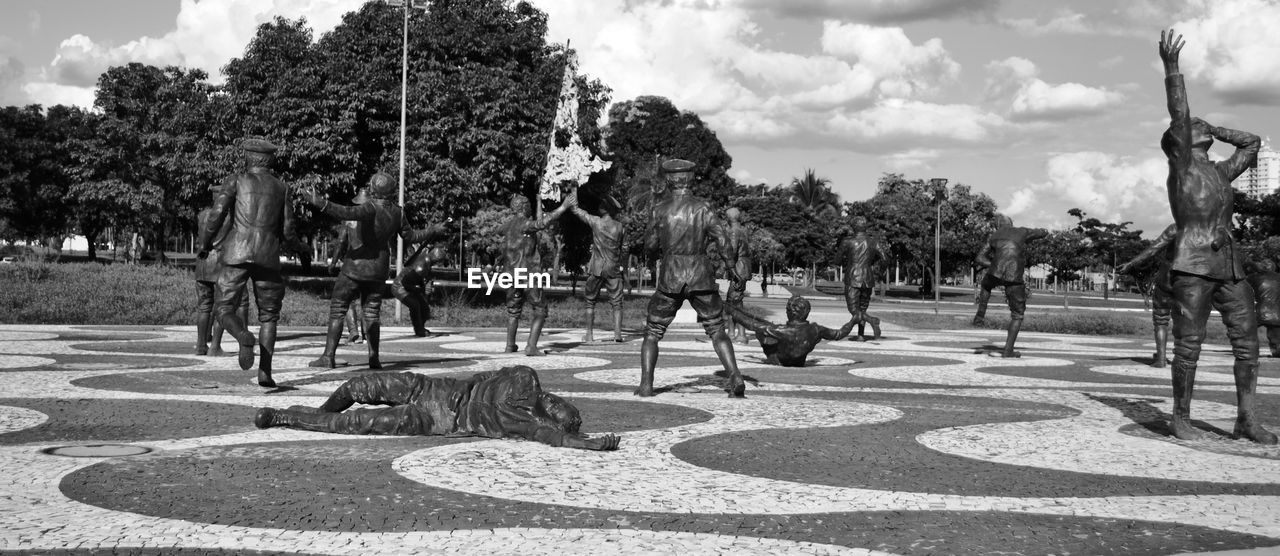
<point>681,229</point>
<point>1207,269</point>
<point>604,270</point>
<point>378,220</point>
<point>258,204</point>
<point>207,271</point>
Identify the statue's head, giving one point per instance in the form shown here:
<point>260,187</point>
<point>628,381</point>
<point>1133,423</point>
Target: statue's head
<point>678,173</point>
<point>797,308</point>
<point>561,412</point>
<point>258,153</point>
<point>859,224</point>
<point>519,204</point>
<point>1003,222</point>
<point>1262,265</point>
<point>1201,136</point>
<point>437,253</point>
<point>381,186</point>
<point>733,214</point>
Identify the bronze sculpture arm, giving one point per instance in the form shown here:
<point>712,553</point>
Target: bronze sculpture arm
<point>1156,247</point>
<point>1179,151</point>
<point>1247,146</point>
<point>832,334</point>
<point>754,323</point>
<point>984,256</point>
<point>421,236</point>
<point>222,206</point>
<point>1037,233</point>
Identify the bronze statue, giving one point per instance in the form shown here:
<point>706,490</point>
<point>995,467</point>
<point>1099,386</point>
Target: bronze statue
<point>412,286</point>
<point>1266,290</point>
<point>368,260</point>
<point>1207,270</point>
<point>207,271</point>
<point>604,270</point>
<point>858,255</point>
<point>522,253</point>
<point>341,244</point>
<point>508,403</point>
<point>1161,290</point>
<point>1005,259</point>
<point>681,228</point>
<point>738,256</point>
<point>258,204</point>
<point>789,344</point>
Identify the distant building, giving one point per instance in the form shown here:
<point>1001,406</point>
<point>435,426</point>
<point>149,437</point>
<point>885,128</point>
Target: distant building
<point>1264,179</point>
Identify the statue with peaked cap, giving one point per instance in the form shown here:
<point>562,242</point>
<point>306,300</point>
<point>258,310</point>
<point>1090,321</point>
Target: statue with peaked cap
<point>680,229</point>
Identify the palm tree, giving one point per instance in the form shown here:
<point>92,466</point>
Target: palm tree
<point>814,193</point>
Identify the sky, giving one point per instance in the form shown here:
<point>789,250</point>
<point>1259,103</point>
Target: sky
<point>1044,106</point>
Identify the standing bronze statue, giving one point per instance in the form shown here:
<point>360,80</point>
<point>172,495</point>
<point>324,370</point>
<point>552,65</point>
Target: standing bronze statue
<point>1266,290</point>
<point>258,203</point>
<point>508,403</point>
<point>1161,290</point>
<point>522,254</point>
<point>858,255</point>
<point>789,344</point>
<point>681,228</point>
<point>209,329</point>
<point>368,261</point>
<point>737,256</point>
<point>604,270</point>
<point>1004,255</point>
<point>1207,270</point>
<point>412,286</point>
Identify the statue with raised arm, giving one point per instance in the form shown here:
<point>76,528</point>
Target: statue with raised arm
<point>1161,250</point>
<point>858,256</point>
<point>604,270</point>
<point>789,344</point>
<point>1004,256</point>
<point>258,204</point>
<point>412,285</point>
<point>1207,271</point>
<point>522,253</point>
<point>738,256</point>
<point>507,403</point>
<point>367,263</point>
<point>208,329</point>
<point>681,229</point>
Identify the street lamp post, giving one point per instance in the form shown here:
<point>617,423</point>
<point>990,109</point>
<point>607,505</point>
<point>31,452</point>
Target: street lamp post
<point>404,94</point>
<point>939,194</point>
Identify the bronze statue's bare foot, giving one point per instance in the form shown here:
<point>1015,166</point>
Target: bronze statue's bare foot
<point>323,362</point>
<point>1183,430</point>
<point>1253,431</point>
<point>644,391</point>
<point>512,348</point>
<point>533,351</point>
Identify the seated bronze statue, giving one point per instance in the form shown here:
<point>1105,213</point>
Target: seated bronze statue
<point>508,403</point>
<point>789,344</point>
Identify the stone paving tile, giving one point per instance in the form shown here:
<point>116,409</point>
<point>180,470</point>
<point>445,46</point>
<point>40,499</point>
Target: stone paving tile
<point>912,444</point>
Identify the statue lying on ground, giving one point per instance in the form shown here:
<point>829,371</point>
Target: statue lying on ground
<point>789,344</point>
<point>508,403</point>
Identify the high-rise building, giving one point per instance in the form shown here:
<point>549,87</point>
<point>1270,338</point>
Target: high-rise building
<point>1263,179</point>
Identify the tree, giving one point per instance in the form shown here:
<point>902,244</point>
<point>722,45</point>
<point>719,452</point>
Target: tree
<point>814,194</point>
<point>33,177</point>
<point>1065,252</point>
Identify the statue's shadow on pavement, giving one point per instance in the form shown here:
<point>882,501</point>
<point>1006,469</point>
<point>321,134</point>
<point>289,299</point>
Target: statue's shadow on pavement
<point>719,379</point>
<point>1145,414</point>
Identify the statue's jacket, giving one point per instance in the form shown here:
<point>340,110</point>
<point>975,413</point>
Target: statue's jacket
<point>858,256</point>
<point>369,245</point>
<point>495,404</point>
<point>208,268</point>
<point>1005,252</point>
<point>738,253</point>
<point>258,203</point>
<point>681,227</point>
<point>606,244</point>
<point>1200,193</point>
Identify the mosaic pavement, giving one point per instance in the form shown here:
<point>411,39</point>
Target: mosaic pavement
<point>913,444</point>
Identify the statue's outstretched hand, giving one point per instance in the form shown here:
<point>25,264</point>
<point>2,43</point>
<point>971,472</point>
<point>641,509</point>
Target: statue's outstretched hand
<point>605,443</point>
<point>1170,47</point>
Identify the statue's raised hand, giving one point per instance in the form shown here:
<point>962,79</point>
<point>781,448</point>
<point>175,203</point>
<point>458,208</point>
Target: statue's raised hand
<point>1170,46</point>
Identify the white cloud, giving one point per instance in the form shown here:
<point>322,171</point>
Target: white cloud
<point>904,68</point>
<point>876,11</point>
<point>745,177</point>
<point>1232,47</point>
<point>911,159</point>
<point>1014,80</point>
<point>1109,187</point>
<point>902,121</point>
<point>50,94</point>
<point>11,74</point>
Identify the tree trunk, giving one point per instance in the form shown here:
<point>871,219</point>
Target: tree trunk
<point>91,235</point>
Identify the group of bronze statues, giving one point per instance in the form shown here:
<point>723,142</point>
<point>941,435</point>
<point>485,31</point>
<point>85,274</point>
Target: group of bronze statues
<point>250,223</point>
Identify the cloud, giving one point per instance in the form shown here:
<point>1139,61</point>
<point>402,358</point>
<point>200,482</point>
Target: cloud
<point>912,159</point>
<point>12,72</point>
<point>1232,47</point>
<point>1109,187</point>
<point>1014,80</point>
<point>50,94</point>
<point>1111,62</point>
<point>904,68</point>
<point>746,178</point>
<point>901,122</point>
<point>876,11</point>
<point>33,21</point>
